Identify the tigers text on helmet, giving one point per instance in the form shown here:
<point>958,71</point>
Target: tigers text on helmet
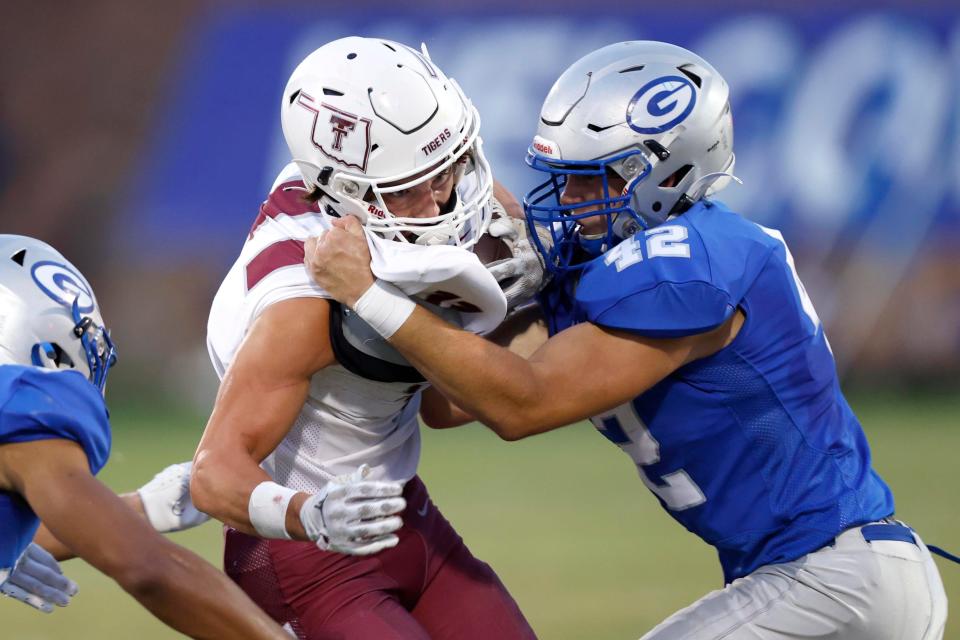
<point>652,113</point>
<point>49,316</point>
<point>367,117</point>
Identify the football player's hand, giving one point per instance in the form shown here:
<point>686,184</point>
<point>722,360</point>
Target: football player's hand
<point>36,580</point>
<point>339,260</point>
<point>166,500</point>
<point>522,275</point>
<point>353,515</point>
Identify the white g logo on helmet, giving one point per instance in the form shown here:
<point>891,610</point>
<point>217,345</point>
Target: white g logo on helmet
<point>63,285</point>
<point>661,104</point>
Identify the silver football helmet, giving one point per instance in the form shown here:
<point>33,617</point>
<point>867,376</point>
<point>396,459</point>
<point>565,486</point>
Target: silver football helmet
<point>365,117</point>
<point>49,316</point>
<point>656,115</point>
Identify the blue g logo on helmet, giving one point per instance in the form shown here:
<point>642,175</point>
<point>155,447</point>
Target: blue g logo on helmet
<point>661,104</point>
<point>63,285</point>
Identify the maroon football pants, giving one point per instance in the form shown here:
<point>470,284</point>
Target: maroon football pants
<point>428,586</point>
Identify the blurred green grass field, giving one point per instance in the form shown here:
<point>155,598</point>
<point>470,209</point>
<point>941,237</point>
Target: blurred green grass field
<point>582,545</point>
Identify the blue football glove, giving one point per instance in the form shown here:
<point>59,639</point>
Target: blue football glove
<point>36,579</point>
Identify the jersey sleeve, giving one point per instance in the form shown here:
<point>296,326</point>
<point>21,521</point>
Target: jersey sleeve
<point>667,310</point>
<point>670,281</point>
<point>48,405</point>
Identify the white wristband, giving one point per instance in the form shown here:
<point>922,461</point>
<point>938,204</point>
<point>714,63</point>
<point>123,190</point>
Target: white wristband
<point>268,509</point>
<point>384,307</point>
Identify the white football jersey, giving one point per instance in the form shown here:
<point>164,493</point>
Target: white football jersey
<point>364,408</point>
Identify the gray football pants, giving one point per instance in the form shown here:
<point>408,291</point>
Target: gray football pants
<point>852,590</point>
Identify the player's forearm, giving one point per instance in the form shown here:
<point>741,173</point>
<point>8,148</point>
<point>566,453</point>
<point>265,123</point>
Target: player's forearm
<point>191,596</point>
<point>49,542</point>
<point>497,387</point>
<point>62,552</point>
<point>221,485</point>
<point>177,586</point>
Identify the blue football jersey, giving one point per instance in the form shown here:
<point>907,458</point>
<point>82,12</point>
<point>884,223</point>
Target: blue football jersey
<point>754,449</point>
<point>38,404</point>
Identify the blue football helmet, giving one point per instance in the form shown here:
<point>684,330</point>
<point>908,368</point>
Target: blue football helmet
<point>653,114</point>
<point>49,316</point>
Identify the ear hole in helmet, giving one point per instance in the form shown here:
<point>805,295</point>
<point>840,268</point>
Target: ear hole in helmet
<point>676,177</point>
<point>19,256</point>
<point>351,56</point>
<point>685,70</point>
<point>44,353</point>
<point>293,96</point>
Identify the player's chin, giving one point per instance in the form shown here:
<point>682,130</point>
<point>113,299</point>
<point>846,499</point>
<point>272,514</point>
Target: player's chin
<point>593,227</point>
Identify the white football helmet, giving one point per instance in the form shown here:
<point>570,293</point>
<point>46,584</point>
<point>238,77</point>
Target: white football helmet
<point>366,116</point>
<point>653,113</point>
<point>49,316</point>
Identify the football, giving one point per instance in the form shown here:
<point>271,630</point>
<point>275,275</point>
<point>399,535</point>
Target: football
<point>490,249</point>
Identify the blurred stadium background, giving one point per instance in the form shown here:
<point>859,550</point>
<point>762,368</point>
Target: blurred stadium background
<point>140,141</point>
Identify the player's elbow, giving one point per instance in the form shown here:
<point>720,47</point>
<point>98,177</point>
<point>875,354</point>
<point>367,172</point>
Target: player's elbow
<point>510,427</point>
<point>147,576</point>
<point>143,583</point>
<point>520,419</point>
<point>436,420</point>
<point>204,482</point>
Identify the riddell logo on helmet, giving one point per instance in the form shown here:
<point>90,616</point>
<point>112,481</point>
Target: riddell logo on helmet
<point>377,211</point>
<point>436,143</point>
<point>341,136</point>
<point>542,147</point>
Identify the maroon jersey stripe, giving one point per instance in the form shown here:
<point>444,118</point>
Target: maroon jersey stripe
<point>286,199</point>
<point>285,253</point>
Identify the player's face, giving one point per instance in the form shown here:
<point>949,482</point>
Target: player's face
<point>586,188</point>
<point>425,200</point>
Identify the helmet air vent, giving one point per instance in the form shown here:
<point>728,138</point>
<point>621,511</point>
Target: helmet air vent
<point>555,119</point>
<point>351,56</point>
<point>293,96</point>
<point>388,47</point>
<point>327,91</point>
<point>19,256</point>
<point>685,70</point>
<point>638,67</point>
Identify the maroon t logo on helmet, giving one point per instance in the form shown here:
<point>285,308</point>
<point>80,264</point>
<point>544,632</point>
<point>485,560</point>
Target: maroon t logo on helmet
<point>349,143</point>
<point>341,127</point>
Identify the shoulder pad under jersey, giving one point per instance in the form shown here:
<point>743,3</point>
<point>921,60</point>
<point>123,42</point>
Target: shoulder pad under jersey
<point>683,277</point>
<point>42,404</point>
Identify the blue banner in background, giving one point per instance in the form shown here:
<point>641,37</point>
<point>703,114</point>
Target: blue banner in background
<point>846,125</point>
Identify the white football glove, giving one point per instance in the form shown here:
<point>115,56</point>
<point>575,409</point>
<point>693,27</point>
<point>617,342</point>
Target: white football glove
<point>166,500</point>
<point>354,516</point>
<point>522,275</point>
<point>36,579</point>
